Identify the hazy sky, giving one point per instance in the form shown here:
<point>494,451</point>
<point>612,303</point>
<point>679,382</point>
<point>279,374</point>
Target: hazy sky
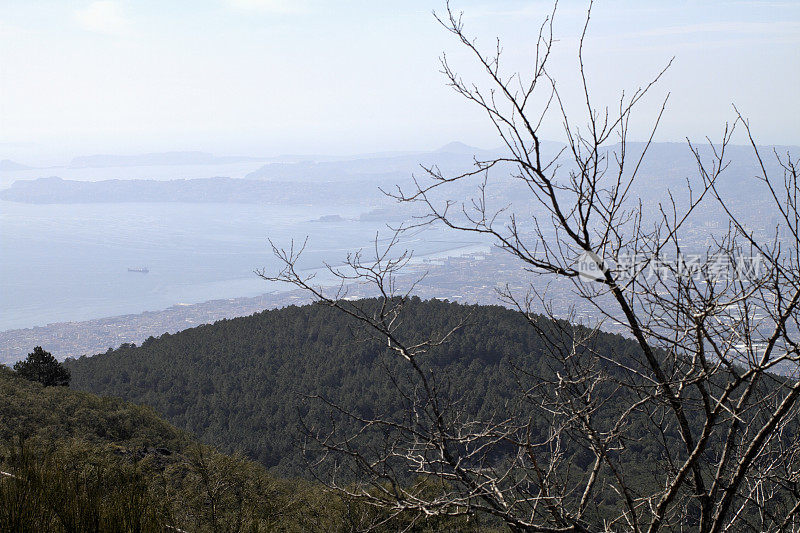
<point>282,76</point>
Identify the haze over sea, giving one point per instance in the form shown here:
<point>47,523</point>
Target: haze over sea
<point>69,262</point>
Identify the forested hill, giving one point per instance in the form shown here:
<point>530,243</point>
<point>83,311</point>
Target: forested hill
<point>240,384</point>
<point>72,461</point>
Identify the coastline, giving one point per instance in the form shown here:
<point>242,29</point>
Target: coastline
<point>89,337</point>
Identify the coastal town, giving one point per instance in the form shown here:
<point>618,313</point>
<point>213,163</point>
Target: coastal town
<point>471,278</point>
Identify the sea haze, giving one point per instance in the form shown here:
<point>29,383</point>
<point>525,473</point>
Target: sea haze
<point>66,254</point>
<point>65,251</point>
<point>70,262</point>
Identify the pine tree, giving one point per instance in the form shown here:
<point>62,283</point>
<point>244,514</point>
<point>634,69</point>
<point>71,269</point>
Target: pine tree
<point>41,366</point>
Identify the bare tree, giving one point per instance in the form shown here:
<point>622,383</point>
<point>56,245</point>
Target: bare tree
<point>712,385</point>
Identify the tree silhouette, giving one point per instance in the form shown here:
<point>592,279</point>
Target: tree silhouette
<point>41,366</point>
<point>714,382</point>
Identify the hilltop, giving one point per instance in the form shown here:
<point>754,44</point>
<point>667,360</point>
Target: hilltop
<point>244,384</point>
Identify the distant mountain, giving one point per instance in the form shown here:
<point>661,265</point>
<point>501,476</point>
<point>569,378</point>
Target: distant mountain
<point>6,165</point>
<point>458,148</point>
<point>453,157</point>
<point>667,166</point>
<point>54,190</point>
<point>163,158</point>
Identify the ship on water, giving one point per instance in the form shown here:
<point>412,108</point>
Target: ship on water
<point>142,270</point>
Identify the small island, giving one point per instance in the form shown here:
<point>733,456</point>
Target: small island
<point>328,219</point>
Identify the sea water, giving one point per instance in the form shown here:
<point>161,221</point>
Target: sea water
<point>70,262</point>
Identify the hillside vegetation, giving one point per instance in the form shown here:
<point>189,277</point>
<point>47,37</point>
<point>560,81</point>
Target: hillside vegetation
<point>73,461</point>
<point>245,384</point>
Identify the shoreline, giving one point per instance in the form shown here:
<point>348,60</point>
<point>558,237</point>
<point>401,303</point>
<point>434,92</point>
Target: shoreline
<point>89,337</point>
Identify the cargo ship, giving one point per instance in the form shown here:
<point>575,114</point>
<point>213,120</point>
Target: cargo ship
<point>143,270</point>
